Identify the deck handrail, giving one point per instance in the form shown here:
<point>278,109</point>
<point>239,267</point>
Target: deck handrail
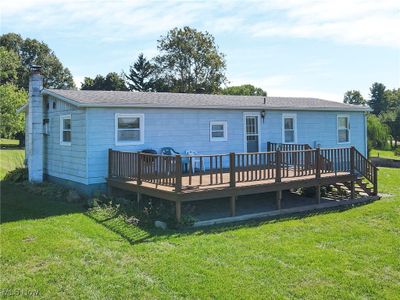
<point>233,168</point>
<point>366,169</point>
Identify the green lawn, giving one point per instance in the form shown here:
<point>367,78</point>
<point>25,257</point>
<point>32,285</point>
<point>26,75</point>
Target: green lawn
<point>383,154</point>
<point>10,158</point>
<point>56,249</point>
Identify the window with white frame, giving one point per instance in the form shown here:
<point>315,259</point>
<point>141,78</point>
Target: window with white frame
<point>218,131</point>
<point>343,128</point>
<point>129,129</point>
<point>289,128</point>
<point>65,130</point>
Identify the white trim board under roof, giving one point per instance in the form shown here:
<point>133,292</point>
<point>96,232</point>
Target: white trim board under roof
<point>90,98</point>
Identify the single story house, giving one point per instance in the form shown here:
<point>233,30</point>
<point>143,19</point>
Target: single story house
<point>69,132</point>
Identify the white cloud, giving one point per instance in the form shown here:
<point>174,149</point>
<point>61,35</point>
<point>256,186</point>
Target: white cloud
<point>368,22</point>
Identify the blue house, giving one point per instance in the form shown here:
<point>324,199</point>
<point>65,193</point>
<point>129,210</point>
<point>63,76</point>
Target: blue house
<point>70,132</point>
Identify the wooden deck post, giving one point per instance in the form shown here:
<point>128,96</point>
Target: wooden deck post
<point>139,172</point>
<point>318,163</point>
<point>352,190</point>
<point>178,174</point>
<point>232,171</point>
<point>278,161</point>
<point>138,199</point>
<point>279,199</point>
<point>375,181</point>
<point>178,210</point>
<point>268,146</point>
<point>233,206</point>
<point>318,193</point>
<point>352,161</point>
<point>110,153</point>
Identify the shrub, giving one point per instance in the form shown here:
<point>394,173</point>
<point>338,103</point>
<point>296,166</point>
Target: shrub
<point>46,189</point>
<point>150,210</point>
<point>397,151</point>
<point>17,175</point>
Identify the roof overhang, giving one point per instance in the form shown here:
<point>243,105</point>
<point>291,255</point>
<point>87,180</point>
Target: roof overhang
<point>145,105</point>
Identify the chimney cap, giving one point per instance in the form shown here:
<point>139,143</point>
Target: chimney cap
<point>35,69</point>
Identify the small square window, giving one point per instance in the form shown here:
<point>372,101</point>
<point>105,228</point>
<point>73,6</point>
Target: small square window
<point>218,131</point>
<point>129,129</point>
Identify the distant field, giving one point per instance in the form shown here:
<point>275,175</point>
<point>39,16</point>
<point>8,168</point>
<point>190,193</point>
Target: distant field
<point>384,154</point>
<point>10,157</point>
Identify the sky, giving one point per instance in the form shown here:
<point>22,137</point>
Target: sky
<point>297,48</point>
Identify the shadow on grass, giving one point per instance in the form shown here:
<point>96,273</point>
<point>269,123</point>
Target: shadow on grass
<point>139,234</point>
<point>17,204</point>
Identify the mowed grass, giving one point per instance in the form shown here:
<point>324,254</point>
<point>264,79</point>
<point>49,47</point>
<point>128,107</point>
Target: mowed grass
<point>56,249</point>
<point>11,156</point>
<point>384,154</point>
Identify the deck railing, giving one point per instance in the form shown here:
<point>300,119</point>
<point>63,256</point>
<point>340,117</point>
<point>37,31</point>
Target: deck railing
<point>189,171</point>
<point>287,147</point>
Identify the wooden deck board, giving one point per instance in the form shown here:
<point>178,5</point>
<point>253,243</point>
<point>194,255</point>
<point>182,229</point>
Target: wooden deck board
<point>195,186</point>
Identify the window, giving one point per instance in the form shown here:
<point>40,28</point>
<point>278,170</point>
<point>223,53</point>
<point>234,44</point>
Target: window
<point>343,128</point>
<point>289,128</point>
<point>129,129</point>
<point>218,131</point>
<point>65,130</point>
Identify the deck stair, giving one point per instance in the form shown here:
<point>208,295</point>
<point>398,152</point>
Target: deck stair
<point>366,171</point>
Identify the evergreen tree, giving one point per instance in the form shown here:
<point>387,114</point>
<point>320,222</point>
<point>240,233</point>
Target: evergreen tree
<point>141,75</point>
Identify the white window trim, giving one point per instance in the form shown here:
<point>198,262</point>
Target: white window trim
<point>337,128</point>
<point>225,126</point>
<point>294,117</point>
<point>141,128</point>
<point>251,114</point>
<point>62,118</point>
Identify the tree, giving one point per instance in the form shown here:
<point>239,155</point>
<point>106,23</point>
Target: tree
<point>392,98</point>
<point>112,82</point>
<point>392,119</point>
<point>141,75</point>
<point>244,90</point>
<point>31,51</point>
<point>11,98</point>
<point>189,62</point>
<point>9,64</point>
<point>378,101</point>
<point>354,97</point>
<point>378,133</point>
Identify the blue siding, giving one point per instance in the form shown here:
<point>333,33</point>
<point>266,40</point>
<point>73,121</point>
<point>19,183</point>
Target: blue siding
<point>185,129</point>
<point>65,162</point>
<point>315,127</point>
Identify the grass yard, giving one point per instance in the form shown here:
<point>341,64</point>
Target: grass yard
<point>384,154</point>
<point>56,250</point>
<point>11,156</point>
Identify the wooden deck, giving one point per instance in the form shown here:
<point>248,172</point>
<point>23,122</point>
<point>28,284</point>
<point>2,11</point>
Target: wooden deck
<point>232,175</point>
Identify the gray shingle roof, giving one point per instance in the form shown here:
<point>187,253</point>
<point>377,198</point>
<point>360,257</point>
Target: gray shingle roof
<point>85,98</point>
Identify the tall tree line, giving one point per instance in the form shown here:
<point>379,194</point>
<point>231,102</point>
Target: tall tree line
<point>384,119</point>
<point>16,56</point>
<point>189,61</point>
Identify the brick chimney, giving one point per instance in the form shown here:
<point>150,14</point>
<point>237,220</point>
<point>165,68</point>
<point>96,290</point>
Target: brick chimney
<point>35,126</point>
